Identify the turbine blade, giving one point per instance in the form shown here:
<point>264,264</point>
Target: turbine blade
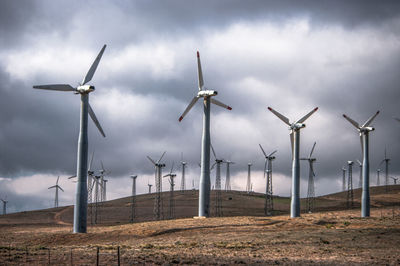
<point>354,123</point>
<point>397,119</point>
<point>305,159</point>
<point>213,151</point>
<point>57,180</point>
<point>91,161</point>
<point>55,87</point>
<point>71,177</point>
<point>93,68</point>
<point>61,188</point>
<point>52,187</point>
<point>272,153</point>
<point>292,142</point>
<point>262,150</point>
<point>280,116</point>
<point>212,167</point>
<point>161,157</point>
<point>216,102</point>
<point>312,169</point>
<point>265,167</point>
<point>96,122</point>
<point>194,100</point>
<point>304,118</point>
<point>102,166</point>
<point>199,72</point>
<point>172,167</point>
<point>312,150</point>
<point>361,142</point>
<point>369,121</point>
<point>359,162</point>
<point>151,160</point>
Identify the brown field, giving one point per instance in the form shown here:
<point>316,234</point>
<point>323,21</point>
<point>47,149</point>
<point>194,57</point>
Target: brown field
<point>331,235</point>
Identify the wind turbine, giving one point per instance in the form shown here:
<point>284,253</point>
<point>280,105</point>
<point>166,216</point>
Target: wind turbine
<point>386,160</point>
<point>269,200</point>
<point>311,186</point>
<point>344,179</point>
<point>218,196</point>
<point>183,181</point>
<point>394,180</point>
<point>350,194</point>
<point>360,177</point>
<point>158,206</point>
<point>80,210</point>
<point>171,192</point>
<point>228,176</point>
<point>5,201</point>
<point>295,141</point>
<point>378,181</point>
<point>133,206</point>
<point>204,188</point>
<point>57,187</point>
<point>364,130</point>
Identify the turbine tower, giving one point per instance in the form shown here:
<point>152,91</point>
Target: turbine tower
<point>248,184</point>
<point>158,205</point>
<point>228,176</point>
<point>386,160</point>
<point>97,191</point>
<point>171,193</point>
<point>150,185</point>
<point>364,135</point>
<point>360,176</point>
<point>344,179</point>
<point>105,189</point>
<point>378,181</point>
<point>57,187</point>
<point>295,141</point>
<point>269,200</point>
<point>5,201</point>
<point>311,185</point>
<point>204,187</point>
<point>133,204</point>
<point>350,194</point>
<point>183,181</point>
<point>80,209</point>
<point>218,196</point>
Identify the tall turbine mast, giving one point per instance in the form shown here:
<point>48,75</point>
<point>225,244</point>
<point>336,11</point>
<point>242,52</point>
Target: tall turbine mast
<point>204,188</point>
<point>350,194</point>
<point>158,205</point>
<point>360,176</point>
<point>133,203</point>
<point>295,141</point>
<point>269,200</point>
<point>5,201</point>
<point>228,176</point>
<point>386,160</point>
<point>171,193</point>
<point>311,185</point>
<point>218,196</point>
<point>80,209</point>
<point>343,179</point>
<point>57,187</point>
<point>378,181</point>
<point>364,130</point>
<point>183,181</point>
<point>248,184</point>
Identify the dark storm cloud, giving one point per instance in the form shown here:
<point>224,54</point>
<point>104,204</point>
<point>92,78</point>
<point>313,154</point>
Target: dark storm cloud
<point>40,128</point>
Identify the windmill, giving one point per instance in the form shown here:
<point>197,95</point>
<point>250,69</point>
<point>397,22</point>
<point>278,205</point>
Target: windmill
<point>183,181</point>
<point>350,194</point>
<point>80,210</point>
<point>133,205</point>
<point>343,179</point>
<point>57,187</point>
<point>394,180</point>
<point>158,205</point>
<point>103,182</point>
<point>204,188</point>
<point>218,196</point>
<point>360,177</point>
<point>386,160</point>
<point>378,181</point>
<point>149,185</point>
<point>311,186</point>
<point>248,184</point>
<point>5,201</point>
<point>364,135</point>
<point>97,191</point>
<point>171,192</point>
<point>228,176</point>
<point>295,141</point>
<point>269,200</point>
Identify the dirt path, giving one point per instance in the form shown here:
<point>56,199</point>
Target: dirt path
<point>57,216</point>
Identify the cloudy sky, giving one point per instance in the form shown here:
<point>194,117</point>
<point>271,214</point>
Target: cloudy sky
<point>342,56</point>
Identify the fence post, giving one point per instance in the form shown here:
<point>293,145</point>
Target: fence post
<point>49,254</point>
<point>119,260</point>
<point>97,256</point>
<point>71,258</point>
<point>9,252</point>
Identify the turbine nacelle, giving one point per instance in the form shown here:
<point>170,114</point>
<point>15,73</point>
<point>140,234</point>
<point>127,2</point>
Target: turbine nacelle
<point>297,126</point>
<point>366,129</point>
<point>206,93</point>
<point>85,89</point>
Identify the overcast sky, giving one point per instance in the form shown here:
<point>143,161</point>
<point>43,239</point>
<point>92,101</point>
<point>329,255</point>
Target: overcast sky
<point>342,56</point>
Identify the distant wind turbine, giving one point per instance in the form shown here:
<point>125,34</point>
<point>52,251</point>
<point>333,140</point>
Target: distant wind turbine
<point>57,187</point>
<point>5,201</point>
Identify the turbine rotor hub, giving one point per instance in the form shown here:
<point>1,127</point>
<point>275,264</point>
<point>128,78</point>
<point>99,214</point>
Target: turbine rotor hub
<point>206,93</point>
<point>85,89</point>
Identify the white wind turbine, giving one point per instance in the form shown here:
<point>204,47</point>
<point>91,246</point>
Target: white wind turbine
<point>295,141</point>
<point>204,187</point>
<point>311,185</point>
<point>5,201</point>
<point>364,130</point>
<point>57,187</point>
<point>80,210</point>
